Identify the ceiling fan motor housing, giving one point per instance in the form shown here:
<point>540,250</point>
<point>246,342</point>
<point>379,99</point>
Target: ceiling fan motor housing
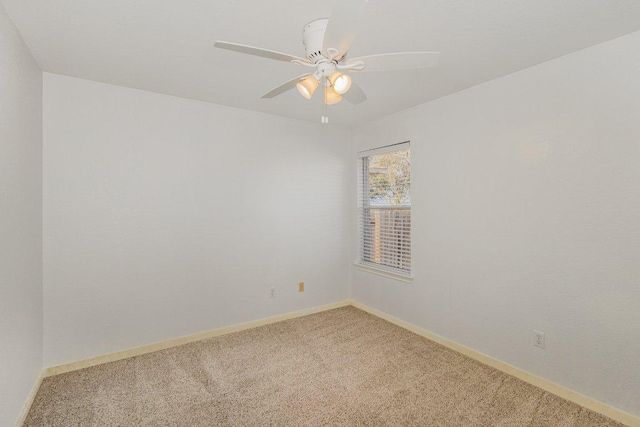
<point>313,38</point>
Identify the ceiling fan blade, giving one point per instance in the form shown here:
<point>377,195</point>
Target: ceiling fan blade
<point>343,26</point>
<point>355,95</point>
<point>284,87</point>
<point>397,61</point>
<point>256,51</point>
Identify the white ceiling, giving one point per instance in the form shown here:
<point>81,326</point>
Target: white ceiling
<point>166,46</point>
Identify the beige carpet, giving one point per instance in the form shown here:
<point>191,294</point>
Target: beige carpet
<point>339,367</point>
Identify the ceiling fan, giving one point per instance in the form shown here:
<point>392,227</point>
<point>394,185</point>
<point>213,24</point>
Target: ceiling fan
<point>326,43</point>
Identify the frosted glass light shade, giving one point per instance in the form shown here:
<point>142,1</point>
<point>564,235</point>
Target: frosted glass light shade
<point>307,86</point>
<point>331,97</point>
<point>341,82</point>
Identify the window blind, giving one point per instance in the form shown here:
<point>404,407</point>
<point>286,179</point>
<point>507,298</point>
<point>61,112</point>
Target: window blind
<point>384,208</point>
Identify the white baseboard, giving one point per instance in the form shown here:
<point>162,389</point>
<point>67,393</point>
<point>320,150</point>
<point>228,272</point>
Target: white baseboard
<point>551,387</point>
<point>150,348</point>
<point>27,405</point>
<point>542,383</point>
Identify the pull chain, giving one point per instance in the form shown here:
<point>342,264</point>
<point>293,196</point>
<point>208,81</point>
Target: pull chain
<point>325,115</point>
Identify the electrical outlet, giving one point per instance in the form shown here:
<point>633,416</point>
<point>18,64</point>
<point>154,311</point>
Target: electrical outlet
<point>538,339</point>
<point>301,287</point>
<point>272,293</point>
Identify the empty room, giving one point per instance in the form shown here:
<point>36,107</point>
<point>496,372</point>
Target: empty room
<point>319,213</point>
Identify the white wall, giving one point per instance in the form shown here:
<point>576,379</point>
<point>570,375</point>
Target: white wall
<point>20,221</point>
<point>526,215</point>
<point>165,217</point>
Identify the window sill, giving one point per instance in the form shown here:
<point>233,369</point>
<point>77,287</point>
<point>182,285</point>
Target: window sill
<point>384,273</point>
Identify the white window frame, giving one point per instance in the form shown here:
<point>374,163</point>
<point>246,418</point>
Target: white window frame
<point>386,271</point>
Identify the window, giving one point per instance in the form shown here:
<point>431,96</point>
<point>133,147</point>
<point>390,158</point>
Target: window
<point>384,209</point>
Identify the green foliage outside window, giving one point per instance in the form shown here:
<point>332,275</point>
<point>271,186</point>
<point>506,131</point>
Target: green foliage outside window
<point>389,178</point>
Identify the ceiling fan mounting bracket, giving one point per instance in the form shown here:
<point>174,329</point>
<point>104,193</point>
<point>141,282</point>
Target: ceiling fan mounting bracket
<point>354,66</point>
<point>305,63</point>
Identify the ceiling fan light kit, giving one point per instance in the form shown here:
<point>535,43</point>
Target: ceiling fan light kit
<point>326,43</point>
